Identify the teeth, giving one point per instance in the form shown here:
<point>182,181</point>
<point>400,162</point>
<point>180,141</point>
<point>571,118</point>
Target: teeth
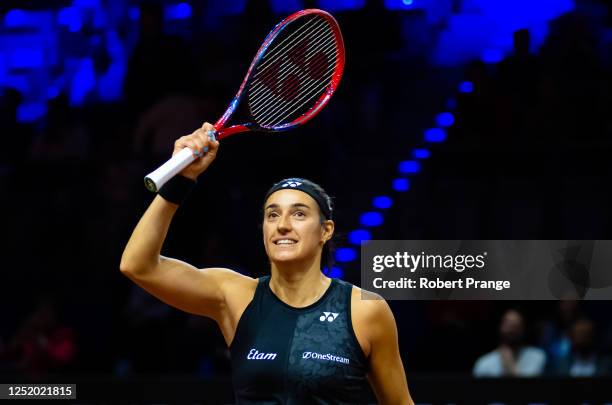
<point>285,242</point>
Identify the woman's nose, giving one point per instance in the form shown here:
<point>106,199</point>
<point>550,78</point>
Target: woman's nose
<point>284,223</point>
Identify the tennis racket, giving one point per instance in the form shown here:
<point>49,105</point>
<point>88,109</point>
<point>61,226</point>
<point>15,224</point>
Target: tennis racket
<point>292,77</point>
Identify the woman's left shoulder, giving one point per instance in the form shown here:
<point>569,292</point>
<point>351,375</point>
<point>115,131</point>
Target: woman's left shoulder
<point>368,306</point>
<point>371,317</point>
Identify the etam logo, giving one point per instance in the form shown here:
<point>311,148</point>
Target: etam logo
<point>328,316</point>
<point>256,355</point>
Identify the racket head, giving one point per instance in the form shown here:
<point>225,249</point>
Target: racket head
<point>294,74</point>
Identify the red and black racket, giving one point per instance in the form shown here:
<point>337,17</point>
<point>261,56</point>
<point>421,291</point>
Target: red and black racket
<point>292,77</point>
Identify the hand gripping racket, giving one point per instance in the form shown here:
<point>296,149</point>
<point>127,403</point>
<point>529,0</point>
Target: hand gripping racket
<point>292,77</point>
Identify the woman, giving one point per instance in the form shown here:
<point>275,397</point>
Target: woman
<point>295,336</point>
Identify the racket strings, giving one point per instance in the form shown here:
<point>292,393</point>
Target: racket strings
<point>269,115</point>
<point>294,74</point>
<point>278,74</point>
<point>273,54</point>
<point>288,64</point>
<point>275,116</point>
<point>271,110</point>
<point>313,71</point>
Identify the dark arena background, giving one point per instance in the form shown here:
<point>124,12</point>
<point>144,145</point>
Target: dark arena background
<point>455,119</point>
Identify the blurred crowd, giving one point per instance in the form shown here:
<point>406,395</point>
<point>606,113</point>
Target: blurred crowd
<point>567,347</point>
<point>527,157</point>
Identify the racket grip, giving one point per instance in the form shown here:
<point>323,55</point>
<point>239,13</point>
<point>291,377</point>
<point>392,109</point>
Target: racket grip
<point>156,179</point>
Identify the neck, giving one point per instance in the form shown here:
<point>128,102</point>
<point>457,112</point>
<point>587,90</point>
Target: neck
<point>298,285</point>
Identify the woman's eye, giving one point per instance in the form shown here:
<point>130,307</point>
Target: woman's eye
<point>272,215</point>
<point>299,214</point>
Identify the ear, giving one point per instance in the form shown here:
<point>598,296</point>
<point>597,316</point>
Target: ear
<point>328,230</point>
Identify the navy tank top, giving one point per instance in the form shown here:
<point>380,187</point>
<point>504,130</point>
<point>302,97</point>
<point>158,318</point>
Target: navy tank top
<point>286,355</point>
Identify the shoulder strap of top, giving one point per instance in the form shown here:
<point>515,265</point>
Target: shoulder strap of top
<point>262,284</point>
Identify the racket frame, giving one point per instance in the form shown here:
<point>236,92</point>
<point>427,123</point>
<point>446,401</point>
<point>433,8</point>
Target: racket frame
<point>156,179</point>
<point>223,132</point>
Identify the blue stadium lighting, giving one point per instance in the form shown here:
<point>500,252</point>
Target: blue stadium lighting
<point>344,255</point>
<point>371,218</point>
<point>409,167</point>
<point>336,272</point>
<point>71,18</point>
<point>466,87</point>
<point>53,92</point>
<point>359,236</point>
<point>134,13</point>
<point>492,56</point>
<point>86,3</point>
<point>178,11</point>
<point>27,58</point>
<point>399,4</point>
<point>421,153</point>
<point>83,82</point>
<point>435,135</point>
<point>341,5</point>
<point>16,18</point>
<point>382,201</point>
<point>286,6</point>
<point>31,112</point>
<point>401,185</point>
<point>445,119</point>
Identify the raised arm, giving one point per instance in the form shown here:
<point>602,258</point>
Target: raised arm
<point>179,284</point>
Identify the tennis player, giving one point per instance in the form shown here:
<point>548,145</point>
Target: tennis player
<point>295,336</point>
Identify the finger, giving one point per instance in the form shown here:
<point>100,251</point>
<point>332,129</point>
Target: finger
<point>207,126</point>
<point>210,131</point>
<point>196,138</point>
<point>181,143</point>
<point>214,146</point>
<point>187,142</point>
<point>203,139</point>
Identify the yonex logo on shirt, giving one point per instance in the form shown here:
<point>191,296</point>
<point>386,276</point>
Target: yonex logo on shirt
<point>328,357</point>
<point>328,316</point>
<point>255,355</point>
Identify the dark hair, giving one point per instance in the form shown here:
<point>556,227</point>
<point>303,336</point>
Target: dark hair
<point>324,203</point>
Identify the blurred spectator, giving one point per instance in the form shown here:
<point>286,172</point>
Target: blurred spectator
<point>147,332</point>
<point>15,137</point>
<point>159,65</point>
<point>162,124</point>
<point>42,344</point>
<point>518,76</point>
<point>583,360</point>
<point>65,137</point>
<point>512,358</point>
<point>555,335</point>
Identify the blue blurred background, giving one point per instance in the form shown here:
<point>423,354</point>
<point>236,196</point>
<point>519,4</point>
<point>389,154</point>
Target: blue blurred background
<point>456,119</point>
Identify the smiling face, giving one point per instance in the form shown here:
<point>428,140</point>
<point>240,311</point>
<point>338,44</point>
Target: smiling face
<point>292,228</point>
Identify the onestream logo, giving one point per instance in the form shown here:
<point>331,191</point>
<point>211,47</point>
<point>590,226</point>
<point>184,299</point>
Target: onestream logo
<point>326,357</point>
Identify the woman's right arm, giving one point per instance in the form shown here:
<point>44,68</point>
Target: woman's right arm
<point>198,291</point>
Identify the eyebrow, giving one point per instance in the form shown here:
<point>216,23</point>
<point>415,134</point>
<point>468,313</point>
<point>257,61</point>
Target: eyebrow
<point>300,205</point>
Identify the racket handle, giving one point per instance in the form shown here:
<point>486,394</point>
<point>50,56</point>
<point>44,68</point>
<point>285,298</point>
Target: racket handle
<point>156,179</point>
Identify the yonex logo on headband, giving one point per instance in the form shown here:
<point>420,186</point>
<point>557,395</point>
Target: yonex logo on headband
<point>292,184</point>
<point>306,186</point>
